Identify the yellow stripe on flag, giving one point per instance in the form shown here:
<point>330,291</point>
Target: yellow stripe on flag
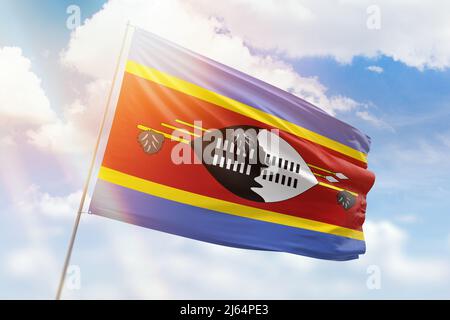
<point>196,91</point>
<point>197,200</point>
<point>326,185</point>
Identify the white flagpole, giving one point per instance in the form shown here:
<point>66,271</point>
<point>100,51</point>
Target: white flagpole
<point>91,168</point>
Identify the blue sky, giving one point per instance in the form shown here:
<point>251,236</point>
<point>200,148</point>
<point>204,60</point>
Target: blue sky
<point>414,106</point>
<point>405,109</point>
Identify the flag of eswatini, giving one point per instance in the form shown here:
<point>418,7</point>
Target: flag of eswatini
<point>204,151</point>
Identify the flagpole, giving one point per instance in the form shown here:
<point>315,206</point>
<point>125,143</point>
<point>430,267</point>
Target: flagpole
<point>91,168</point>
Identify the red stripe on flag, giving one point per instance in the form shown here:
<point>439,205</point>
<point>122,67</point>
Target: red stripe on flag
<point>146,103</point>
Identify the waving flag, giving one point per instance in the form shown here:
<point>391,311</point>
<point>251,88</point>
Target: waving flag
<point>204,151</point>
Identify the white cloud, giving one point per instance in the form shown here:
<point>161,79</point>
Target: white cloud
<point>175,267</point>
<point>181,23</point>
<point>339,28</point>
<point>407,218</point>
<point>412,175</point>
<point>343,104</point>
<point>26,113</point>
<point>444,138</point>
<point>415,164</point>
<point>387,248</point>
<point>22,100</point>
<point>35,247</point>
<point>74,132</point>
<point>425,153</point>
<point>30,262</point>
<point>376,69</point>
<point>6,141</point>
<point>372,119</point>
<point>158,265</point>
<point>34,201</point>
<point>43,216</point>
<point>199,32</point>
